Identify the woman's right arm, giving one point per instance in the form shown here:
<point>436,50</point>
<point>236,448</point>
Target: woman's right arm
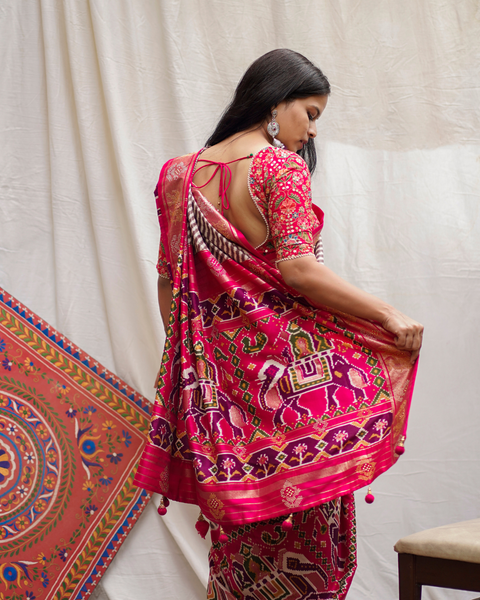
<point>164,298</point>
<point>321,285</point>
<point>164,290</point>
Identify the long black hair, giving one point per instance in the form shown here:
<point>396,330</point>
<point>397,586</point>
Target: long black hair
<point>280,75</point>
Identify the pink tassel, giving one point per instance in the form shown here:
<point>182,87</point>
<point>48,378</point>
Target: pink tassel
<point>223,537</point>
<point>162,511</point>
<point>288,523</point>
<point>166,502</point>
<point>400,448</point>
<point>369,498</point>
<point>202,526</point>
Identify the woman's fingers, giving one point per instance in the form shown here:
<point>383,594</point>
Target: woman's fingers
<point>418,339</point>
<point>414,356</point>
<point>407,340</point>
<point>408,333</point>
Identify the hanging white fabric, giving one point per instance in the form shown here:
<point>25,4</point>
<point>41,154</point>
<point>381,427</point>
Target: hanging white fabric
<point>96,95</point>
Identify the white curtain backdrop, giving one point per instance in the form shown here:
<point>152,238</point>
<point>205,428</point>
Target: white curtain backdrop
<point>96,94</point>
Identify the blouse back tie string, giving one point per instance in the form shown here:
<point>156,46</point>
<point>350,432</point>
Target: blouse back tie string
<point>225,178</point>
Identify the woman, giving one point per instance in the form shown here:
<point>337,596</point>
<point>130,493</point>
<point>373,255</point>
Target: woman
<point>282,387</point>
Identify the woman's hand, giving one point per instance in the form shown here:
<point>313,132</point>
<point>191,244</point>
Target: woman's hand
<point>324,287</point>
<point>408,333</point>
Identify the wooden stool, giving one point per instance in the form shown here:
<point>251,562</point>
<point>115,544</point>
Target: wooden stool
<point>447,556</point>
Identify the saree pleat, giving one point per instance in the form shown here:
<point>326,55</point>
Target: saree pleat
<point>315,560</point>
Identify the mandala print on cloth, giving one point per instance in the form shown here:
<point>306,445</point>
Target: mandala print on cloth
<point>315,560</point>
<point>70,439</point>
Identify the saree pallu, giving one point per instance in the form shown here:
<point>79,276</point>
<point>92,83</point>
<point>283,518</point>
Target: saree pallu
<point>266,404</point>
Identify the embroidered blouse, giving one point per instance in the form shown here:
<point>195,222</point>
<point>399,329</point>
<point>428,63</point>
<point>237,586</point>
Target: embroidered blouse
<point>279,185</point>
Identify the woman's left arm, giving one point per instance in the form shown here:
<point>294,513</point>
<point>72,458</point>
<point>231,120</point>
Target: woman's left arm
<point>291,218</point>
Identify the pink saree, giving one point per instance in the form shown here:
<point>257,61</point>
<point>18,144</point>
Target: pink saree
<point>267,405</point>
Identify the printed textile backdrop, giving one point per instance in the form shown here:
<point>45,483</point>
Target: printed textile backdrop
<point>96,95</point>
<point>70,437</point>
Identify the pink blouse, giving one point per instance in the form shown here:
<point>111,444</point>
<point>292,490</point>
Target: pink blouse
<point>279,184</point>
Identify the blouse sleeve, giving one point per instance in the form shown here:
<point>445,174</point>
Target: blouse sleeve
<point>162,263</point>
<point>289,209</point>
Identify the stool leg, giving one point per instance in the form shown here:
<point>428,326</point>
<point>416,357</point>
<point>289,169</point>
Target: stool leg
<point>409,589</point>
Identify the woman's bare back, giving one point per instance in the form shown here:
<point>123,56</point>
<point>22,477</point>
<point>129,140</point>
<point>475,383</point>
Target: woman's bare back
<point>241,212</point>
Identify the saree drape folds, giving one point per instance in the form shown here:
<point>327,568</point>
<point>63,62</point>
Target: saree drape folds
<point>315,560</point>
<point>266,404</point>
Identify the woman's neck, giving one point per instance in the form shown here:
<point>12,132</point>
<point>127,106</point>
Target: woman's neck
<point>239,144</point>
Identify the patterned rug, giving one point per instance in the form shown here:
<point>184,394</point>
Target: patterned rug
<point>71,434</point>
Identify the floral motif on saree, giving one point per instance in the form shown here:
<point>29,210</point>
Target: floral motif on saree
<point>266,404</point>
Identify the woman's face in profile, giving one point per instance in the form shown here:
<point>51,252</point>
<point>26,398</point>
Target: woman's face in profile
<point>297,120</point>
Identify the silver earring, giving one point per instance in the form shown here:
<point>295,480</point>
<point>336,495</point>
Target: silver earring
<point>273,129</point>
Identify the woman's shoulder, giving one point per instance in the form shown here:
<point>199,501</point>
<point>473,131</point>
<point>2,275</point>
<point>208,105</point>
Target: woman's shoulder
<point>176,167</point>
<point>276,169</point>
<point>271,165</point>
<point>275,160</point>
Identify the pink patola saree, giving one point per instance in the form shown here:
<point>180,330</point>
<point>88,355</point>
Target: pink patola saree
<point>267,405</point>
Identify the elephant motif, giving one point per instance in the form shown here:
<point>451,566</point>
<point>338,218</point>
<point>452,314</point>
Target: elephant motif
<point>211,410</point>
<point>283,386</point>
